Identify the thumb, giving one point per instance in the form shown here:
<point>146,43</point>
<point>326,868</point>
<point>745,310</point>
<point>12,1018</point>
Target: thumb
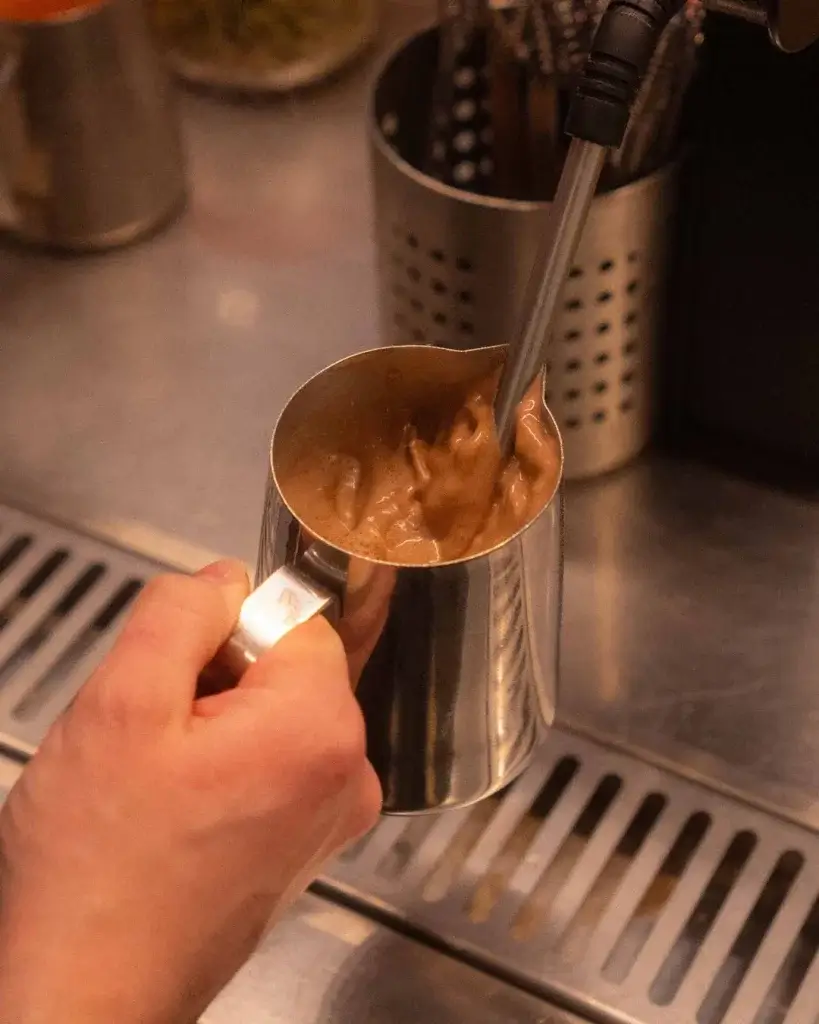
<point>177,625</point>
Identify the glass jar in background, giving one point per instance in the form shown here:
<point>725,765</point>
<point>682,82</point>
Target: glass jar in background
<point>262,45</point>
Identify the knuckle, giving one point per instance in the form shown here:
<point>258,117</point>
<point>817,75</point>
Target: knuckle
<point>173,592</point>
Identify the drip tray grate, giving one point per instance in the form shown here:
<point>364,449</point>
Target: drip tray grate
<point>62,599</point>
<point>624,890</point>
<point>620,888</point>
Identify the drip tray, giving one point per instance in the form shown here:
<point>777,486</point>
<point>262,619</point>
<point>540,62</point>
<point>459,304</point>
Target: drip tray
<point>62,599</point>
<point>597,880</point>
<point>623,890</point>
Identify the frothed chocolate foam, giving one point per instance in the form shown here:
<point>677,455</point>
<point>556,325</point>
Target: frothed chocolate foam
<point>416,482</point>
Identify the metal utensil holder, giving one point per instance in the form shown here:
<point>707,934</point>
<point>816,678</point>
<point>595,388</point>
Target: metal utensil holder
<point>453,267</point>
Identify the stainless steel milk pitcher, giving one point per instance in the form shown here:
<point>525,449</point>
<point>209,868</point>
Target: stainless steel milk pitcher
<point>455,665</point>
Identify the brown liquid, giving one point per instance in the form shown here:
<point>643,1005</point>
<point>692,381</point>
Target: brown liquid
<point>432,488</point>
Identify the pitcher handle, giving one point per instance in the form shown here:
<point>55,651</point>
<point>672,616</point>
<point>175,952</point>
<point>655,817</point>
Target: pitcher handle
<point>9,64</point>
<point>293,595</point>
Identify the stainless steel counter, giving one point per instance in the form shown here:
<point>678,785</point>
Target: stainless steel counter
<point>330,965</point>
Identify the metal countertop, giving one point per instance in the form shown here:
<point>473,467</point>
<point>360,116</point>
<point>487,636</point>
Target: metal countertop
<point>325,963</point>
<point>139,389</point>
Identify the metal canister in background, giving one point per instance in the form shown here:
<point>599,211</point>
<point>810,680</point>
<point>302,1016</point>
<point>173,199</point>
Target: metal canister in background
<point>90,149</point>
<point>261,46</point>
<point>453,266</point>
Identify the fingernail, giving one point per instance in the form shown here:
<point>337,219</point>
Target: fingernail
<point>230,574</point>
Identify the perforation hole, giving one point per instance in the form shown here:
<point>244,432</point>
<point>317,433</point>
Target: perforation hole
<point>606,266</point>
<point>464,264</point>
<point>600,387</point>
<point>437,255</point>
<point>571,395</point>
<point>465,141</point>
<point>629,348</point>
<point>465,296</point>
<point>412,241</point>
<point>466,327</point>
<point>603,327</point>
<point>438,286</point>
<point>464,110</point>
<point>414,274</point>
<point>417,305</point>
<point>599,416</point>
<point>575,273</point>
<point>573,305</point>
<point>573,365</point>
<point>419,335</point>
<point>601,358</point>
<point>717,890</point>
<point>389,125</point>
<point>573,335</point>
<point>657,895</point>
<point>604,297</point>
<point>440,319</point>
<point>632,287</point>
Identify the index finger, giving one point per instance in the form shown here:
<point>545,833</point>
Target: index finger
<point>177,625</point>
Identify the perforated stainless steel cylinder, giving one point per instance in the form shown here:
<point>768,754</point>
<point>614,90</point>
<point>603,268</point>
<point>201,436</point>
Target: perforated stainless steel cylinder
<point>453,267</point>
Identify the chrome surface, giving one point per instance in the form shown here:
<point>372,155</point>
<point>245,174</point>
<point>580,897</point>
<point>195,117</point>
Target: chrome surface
<point>138,391</point>
<point>453,270</point>
<point>285,600</point>
<point>567,221</point>
<point>617,888</point>
<point>62,598</point>
<point>748,10</point>
<point>794,24</point>
<point>326,964</point>
<point>461,685</point>
<point>90,154</point>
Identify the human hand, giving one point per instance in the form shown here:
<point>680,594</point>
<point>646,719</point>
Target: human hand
<point>149,842</point>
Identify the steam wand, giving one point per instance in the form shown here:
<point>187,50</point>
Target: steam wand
<point>598,117</point>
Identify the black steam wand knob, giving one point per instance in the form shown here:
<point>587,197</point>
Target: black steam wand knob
<point>621,52</point>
